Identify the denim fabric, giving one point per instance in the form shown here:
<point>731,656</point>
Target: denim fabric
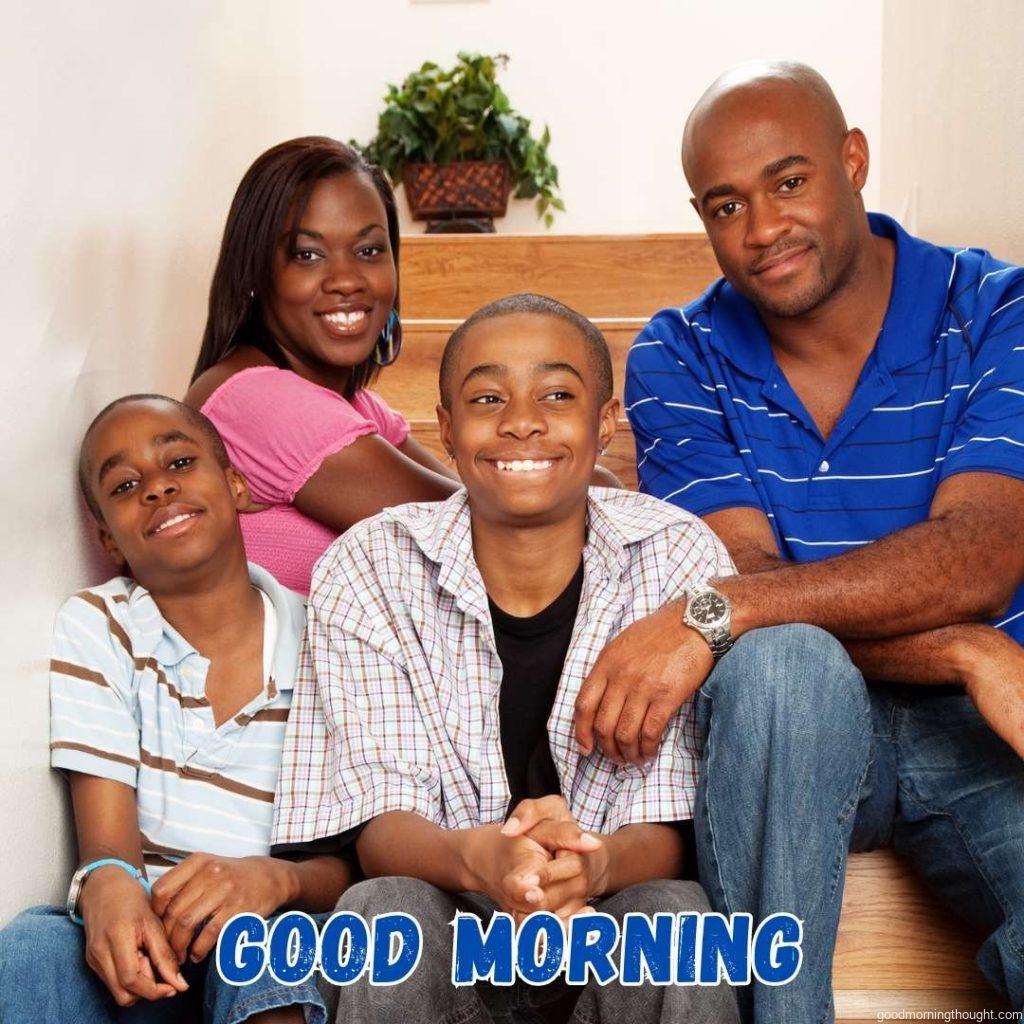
<point>804,761</point>
<point>428,996</point>
<point>44,977</point>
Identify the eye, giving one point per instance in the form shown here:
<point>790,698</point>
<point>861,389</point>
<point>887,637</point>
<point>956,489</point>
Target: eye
<point>558,396</point>
<point>306,255</point>
<point>369,252</point>
<point>727,209</point>
<point>182,462</point>
<point>485,400</point>
<point>791,184</point>
<point>124,487</point>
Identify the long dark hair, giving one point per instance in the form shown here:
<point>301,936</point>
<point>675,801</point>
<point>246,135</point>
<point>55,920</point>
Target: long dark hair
<point>280,181</point>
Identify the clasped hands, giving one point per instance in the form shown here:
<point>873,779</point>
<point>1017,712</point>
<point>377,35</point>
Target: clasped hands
<point>136,943</point>
<point>540,859</point>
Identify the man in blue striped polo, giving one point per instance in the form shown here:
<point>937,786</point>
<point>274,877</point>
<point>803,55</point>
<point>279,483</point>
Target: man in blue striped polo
<point>846,409</point>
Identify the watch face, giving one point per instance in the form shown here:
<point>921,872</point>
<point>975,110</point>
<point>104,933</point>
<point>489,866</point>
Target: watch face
<point>708,609</point>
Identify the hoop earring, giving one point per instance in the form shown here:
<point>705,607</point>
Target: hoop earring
<point>385,352</point>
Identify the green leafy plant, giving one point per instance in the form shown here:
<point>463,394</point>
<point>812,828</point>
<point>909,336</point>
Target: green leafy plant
<point>438,116</point>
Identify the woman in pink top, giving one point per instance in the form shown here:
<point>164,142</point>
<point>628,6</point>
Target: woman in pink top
<point>303,314</point>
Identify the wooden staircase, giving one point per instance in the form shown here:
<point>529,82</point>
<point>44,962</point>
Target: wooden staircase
<point>897,950</point>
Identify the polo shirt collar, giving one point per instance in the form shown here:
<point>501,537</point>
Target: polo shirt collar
<point>154,637</point>
<point>916,308</point>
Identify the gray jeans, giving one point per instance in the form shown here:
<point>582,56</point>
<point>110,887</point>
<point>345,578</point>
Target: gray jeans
<point>428,996</point>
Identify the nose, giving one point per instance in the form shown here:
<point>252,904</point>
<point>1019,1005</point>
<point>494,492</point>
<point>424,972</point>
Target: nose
<point>159,487</point>
<point>522,418</point>
<point>344,276</point>
<point>766,224</point>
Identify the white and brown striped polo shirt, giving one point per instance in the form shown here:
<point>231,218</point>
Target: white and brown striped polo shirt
<point>127,702</point>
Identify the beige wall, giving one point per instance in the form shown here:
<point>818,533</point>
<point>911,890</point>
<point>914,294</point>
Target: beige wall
<point>126,128</point>
<point>953,121</point>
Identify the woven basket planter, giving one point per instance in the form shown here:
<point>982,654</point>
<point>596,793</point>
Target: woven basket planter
<point>471,188</point>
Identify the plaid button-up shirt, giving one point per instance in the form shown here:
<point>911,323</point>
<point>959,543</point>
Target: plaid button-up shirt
<point>396,701</point>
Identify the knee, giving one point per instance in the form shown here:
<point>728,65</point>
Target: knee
<point>37,938</point>
<point>794,674</point>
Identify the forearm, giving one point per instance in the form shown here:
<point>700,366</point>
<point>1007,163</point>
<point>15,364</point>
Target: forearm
<point>406,844</point>
<point>937,656</point>
<point>316,883</point>
<point>106,820</point>
<point>919,579</point>
<point>639,853</point>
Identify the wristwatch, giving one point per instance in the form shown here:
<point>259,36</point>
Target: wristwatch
<point>710,613</point>
<point>79,877</point>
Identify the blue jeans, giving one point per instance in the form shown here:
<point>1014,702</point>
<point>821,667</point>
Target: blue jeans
<point>44,977</point>
<point>804,761</point>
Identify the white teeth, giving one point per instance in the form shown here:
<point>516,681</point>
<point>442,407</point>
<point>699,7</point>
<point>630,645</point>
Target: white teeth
<point>523,465</point>
<point>174,520</point>
<point>357,316</point>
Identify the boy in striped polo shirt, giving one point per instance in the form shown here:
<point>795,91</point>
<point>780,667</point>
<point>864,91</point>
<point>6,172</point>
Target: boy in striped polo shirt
<point>172,754</point>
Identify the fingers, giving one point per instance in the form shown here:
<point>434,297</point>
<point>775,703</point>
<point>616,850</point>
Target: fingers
<point>161,955</point>
<point>653,729</point>
<point>132,978</point>
<point>168,885</point>
<point>563,835</point>
<point>588,700</point>
<point>185,912</point>
<point>559,870</point>
<point>627,729</point>
<point>607,718</point>
<point>101,961</point>
<point>529,812</point>
<point>207,938</point>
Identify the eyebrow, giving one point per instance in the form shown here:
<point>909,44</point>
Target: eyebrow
<point>497,370</point>
<point>161,440</point>
<point>768,171</point>
<point>309,233</point>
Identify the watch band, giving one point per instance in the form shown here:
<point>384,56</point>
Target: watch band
<point>79,877</point>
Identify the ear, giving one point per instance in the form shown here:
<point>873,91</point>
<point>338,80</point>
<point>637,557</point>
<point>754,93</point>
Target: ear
<point>609,421</point>
<point>239,488</point>
<point>110,546</point>
<point>444,422</point>
<point>856,158</point>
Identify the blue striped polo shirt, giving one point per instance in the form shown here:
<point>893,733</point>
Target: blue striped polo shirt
<point>718,426</point>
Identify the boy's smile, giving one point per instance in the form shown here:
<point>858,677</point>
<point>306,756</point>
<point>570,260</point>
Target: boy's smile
<point>167,503</point>
<point>526,419</point>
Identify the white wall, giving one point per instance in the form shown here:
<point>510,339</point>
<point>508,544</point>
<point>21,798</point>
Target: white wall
<point>953,121</point>
<point>126,129</point>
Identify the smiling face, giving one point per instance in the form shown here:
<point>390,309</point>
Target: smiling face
<point>167,505</point>
<point>334,280</point>
<point>776,180</point>
<point>525,419</point>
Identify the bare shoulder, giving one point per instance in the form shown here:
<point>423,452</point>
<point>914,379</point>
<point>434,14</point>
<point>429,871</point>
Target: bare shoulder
<point>208,382</point>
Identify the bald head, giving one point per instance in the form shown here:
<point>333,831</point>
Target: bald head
<point>752,90</point>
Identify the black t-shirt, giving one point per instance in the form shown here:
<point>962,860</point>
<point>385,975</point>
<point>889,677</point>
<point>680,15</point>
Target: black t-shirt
<point>532,652</point>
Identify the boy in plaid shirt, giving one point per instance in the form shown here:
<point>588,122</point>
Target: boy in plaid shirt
<point>432,717</point>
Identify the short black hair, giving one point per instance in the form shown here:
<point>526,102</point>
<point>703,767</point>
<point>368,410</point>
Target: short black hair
<point>193,416</point>
<point>537,305</point>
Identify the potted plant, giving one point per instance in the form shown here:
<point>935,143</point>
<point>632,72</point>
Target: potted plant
<point>452,138</point>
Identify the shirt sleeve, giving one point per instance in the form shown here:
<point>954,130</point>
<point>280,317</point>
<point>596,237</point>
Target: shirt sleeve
<point>391,425</point>
<point>357,745</point>
<point>989,434</point>
<point>94,724</point>
<point>684,448</point>
<point>666,789</point>
<point>279,427</point>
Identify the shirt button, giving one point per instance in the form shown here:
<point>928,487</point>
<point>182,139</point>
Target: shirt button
<point>824,467</point>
